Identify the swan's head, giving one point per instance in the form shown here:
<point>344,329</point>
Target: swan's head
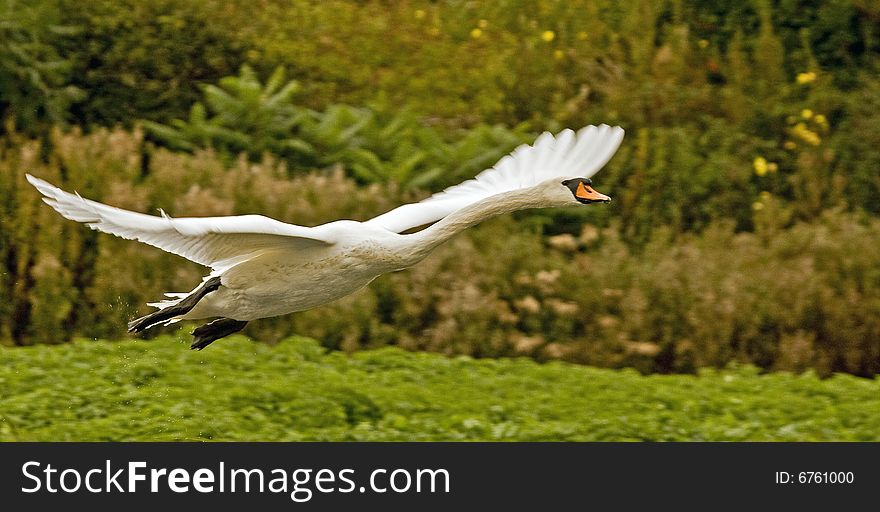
<point>582,191</point>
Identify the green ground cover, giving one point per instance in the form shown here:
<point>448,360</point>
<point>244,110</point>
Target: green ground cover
<point>239,390</point>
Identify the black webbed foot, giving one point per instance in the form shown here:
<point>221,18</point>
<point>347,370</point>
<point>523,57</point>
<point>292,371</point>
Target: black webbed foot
<point>181,308</point>
<point>213,331</point>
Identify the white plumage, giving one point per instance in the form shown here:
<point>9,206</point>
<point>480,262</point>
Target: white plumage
<point>569,155</point>
<point>216,242</point>
<point>263,267</point>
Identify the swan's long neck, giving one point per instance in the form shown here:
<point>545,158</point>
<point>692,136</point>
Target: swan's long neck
<point>423,242</point>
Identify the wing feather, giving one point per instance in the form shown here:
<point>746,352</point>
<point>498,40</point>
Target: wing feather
<point>567,155</point>
<point>216,242</point>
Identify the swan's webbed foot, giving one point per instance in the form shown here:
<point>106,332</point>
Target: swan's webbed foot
<point>181,308</point>
<point>213,331</point>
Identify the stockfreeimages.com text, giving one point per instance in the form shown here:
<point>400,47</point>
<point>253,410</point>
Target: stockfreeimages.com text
<point>300,484</point>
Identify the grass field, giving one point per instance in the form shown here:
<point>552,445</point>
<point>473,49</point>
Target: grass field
<point>239,390</point>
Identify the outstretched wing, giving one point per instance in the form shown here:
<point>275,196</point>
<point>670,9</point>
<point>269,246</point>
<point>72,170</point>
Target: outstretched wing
<point>567,155</point>
<point>216,242</point>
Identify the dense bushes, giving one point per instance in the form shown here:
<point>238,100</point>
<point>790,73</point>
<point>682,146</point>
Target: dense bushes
<point>558,62</point>
<point>243,391</point>
<point>807,296</point>
<point>244,116</point>
<point>35,75</point>
<point>145,60</point>
<point>460,63</point>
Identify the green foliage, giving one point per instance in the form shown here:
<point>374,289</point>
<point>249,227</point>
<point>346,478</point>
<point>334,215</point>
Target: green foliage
<point>34,74</point>
<point>245,117</point>
<point>145,59</point>
<point>242,115</point>
<point>377,147</point>
<point>489,61</point>
<point>245,391</point>
<point>458,63</point>
<point>856,156</point>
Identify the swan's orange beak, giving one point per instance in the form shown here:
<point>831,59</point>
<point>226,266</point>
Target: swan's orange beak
<point>588,193</point>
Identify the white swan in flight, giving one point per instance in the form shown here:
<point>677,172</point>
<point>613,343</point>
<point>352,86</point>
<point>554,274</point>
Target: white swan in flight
<point>262,267</point>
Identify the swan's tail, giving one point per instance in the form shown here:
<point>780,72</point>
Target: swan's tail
<point>170,311</point>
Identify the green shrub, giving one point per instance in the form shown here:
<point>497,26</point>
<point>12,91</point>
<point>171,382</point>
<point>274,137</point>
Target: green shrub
<point>244,391</point>
<point>243,116</point>
<point>35,74</point>
<point>145,59</point>
<point>460,64</point>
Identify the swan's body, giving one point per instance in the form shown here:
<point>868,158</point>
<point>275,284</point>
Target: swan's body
<point>262,267</point>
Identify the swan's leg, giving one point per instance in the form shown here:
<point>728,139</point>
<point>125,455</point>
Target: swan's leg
<point>210,332</point>
<point>181,308</point>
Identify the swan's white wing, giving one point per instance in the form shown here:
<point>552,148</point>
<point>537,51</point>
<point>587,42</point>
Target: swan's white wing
<point>567,155</point>
<point>216,242</point>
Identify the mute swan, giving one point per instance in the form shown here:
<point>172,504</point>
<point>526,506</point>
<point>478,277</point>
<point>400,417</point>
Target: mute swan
<point>262,267</point>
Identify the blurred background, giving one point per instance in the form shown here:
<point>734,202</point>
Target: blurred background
<point>744,227</point>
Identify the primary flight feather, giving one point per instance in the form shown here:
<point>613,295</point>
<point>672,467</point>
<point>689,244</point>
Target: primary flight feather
<point>262,267</point>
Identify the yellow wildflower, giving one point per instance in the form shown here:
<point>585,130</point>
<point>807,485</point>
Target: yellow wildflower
<point>703,43</point>
<point>558,55</point>
<point>807,77</point>
<point>581,35</point>
<point>772,167</point>
<point>420,14</point>
<point>548,36</point>
<point>476,33</point>
<point>820,120</point>
<point>801,131</point>
<point>757,206</point>
<point>483,24</point>
<point>806,113</point>
<point>790,145</point>
<point>760,165</point>
<point>764,195</point>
